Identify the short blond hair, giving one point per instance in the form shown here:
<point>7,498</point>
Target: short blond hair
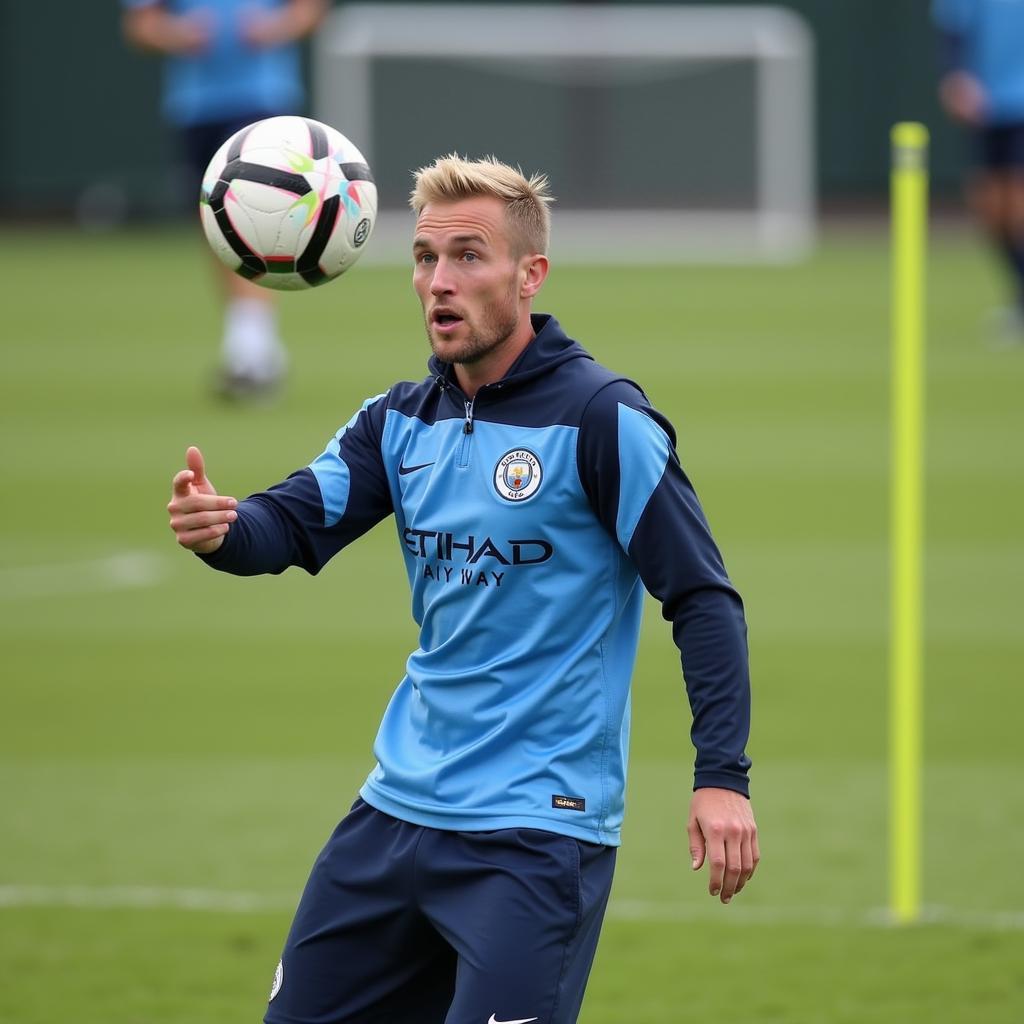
<point>450,178</point>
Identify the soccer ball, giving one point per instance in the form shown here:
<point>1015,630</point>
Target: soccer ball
<point>288,202</point>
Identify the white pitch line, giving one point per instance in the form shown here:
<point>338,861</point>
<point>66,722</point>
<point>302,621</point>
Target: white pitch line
<point>124,571</point>
<point>137,897</point>
<point>831,917</point>
<point>125,897</point>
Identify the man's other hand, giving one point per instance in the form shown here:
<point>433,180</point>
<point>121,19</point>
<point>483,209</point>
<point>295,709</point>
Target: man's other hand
<point>722,831</point>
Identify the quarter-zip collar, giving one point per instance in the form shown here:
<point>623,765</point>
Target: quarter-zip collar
<point>550,347</point>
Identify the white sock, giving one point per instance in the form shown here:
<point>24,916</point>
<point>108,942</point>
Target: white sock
<point>251,346</point>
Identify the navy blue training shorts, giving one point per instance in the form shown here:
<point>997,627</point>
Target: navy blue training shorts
<point>1000,147</point>
<point>402,924</point>
<point>200,141</point>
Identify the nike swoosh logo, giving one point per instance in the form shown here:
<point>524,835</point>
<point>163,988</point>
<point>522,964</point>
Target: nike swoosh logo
<point>402,470</point>
<point>522,1020</point>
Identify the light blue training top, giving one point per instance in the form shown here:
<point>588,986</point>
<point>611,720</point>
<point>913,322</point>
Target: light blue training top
<point>530,520</point>
<point>990,34</point>
<point>232,77</point>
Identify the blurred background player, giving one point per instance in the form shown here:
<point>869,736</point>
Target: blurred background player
<point>982,87</point>
<point>229,63</point>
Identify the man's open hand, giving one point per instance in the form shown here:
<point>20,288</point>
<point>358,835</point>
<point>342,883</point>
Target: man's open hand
<point>722,831</point>
<point>199,516</point>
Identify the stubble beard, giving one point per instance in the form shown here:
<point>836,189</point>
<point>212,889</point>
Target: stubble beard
<point>498,325</point>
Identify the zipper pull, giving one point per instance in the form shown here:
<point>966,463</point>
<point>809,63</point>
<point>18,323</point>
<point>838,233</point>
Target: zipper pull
<point>467,427</point>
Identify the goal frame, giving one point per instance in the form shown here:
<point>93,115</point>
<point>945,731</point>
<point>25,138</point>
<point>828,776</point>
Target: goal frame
<point>781,227</point>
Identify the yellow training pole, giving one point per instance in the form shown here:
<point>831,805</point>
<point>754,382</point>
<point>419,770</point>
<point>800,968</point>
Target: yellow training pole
<point>909,194</point>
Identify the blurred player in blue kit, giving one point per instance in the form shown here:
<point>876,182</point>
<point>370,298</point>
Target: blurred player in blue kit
<point>229,63</point>
<point>982,87</point>
<point>535,495</point>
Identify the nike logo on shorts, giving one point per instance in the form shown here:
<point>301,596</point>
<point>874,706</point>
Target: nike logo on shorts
<point>402,470</point>
<point>522,1020</point>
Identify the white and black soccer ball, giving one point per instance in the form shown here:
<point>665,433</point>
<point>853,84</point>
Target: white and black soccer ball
<point>288,202</point>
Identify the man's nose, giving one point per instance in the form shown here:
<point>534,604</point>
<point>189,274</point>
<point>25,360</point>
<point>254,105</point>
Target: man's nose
<point>441,281</point>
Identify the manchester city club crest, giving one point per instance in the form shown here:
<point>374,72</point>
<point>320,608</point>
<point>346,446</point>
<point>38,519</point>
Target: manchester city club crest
<point>517,475</point>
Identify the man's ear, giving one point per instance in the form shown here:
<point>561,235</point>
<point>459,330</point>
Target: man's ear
<point>535,272</point>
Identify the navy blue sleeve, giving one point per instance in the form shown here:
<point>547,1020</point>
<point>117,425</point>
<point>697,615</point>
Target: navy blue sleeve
<point>638,490</point>
<point>307,518</point>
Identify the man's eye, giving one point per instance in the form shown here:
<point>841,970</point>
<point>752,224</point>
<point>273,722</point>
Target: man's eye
<point>470,257</point>
<point>426,257</point>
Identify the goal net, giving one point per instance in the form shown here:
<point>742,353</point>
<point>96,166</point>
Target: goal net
<point>669,133</point>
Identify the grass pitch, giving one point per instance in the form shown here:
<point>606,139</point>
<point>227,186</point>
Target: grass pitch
<point>175,744</point>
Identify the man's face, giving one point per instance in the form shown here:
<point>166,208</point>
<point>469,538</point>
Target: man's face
<point>467,277</point>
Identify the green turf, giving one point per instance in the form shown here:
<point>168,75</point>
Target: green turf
<point>166,729</point>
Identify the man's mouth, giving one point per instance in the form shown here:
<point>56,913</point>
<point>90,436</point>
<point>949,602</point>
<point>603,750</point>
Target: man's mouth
<point>445,320</point>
